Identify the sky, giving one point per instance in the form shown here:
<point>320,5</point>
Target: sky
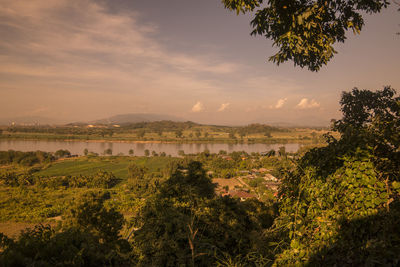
<point>82,60</point>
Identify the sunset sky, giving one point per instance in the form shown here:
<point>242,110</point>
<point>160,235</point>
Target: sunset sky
<point>81,60</point>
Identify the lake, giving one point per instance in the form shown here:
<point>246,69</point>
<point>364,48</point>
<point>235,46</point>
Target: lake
<point>77,147</point>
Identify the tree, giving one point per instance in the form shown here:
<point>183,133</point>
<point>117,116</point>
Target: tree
<point>141,133</point>
<point>85,152</point>
<point>43,246</point>
<point>108,151</point>
<point>89,236</point>
<point>372,119</point>
<point>159,132</point>
<point>179,133</point>
<point>146,152</point>
<point>336,197</point>
<point>131,152</point>
<point>136,171</point>
<point>222,152</point>
<point>89,214</point>
<point>198,133</point>
<point>306,31</point>
<point>62,153</point>
<point>282,151</point>
<point>242,134</point>
<point>185,224</point>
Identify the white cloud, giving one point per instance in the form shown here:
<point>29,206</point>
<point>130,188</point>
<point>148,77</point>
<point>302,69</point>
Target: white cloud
<point>305,103</point>
<point>279,104</point>
<point>223,107</point>
<point>198,107</point>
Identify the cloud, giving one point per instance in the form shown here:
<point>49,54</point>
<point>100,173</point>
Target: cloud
<point>279,104</point>
<point>81,41</point>
<point>223,107</point>
<point>81,49</point>
<point>305,103</point>
<point>198,107</point>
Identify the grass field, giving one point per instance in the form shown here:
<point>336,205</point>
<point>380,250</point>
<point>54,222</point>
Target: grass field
<point>91,165</point>
<point>25,205</point>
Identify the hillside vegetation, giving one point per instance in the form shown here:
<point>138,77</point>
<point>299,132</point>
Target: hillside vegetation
<point>167,131</point>
<point>336,205</point>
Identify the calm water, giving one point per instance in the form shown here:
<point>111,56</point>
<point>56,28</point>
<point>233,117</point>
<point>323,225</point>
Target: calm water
<point>77,147</point>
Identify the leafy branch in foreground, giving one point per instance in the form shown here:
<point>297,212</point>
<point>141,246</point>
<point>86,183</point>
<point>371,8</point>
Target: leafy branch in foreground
<point>306,30</point>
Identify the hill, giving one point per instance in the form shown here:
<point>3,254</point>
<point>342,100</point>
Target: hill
<point>137,117</point>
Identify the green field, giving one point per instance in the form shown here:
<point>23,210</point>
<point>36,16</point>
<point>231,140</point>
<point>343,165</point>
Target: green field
<point>118,165</point>
<point>34,204</point>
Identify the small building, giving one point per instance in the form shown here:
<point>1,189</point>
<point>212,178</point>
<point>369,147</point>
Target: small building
<point>241,194</point>
<point>270,177</point>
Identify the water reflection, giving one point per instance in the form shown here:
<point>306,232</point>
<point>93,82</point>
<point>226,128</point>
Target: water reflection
<point>77,147</point>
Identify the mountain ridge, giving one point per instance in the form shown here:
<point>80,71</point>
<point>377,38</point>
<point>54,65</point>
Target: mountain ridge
<point>136,117</point>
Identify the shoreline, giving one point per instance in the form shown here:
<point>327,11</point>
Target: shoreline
<point>276,141</point>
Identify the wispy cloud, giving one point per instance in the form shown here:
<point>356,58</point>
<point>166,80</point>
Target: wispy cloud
<point>223,106</point>
<point>79,46</point>
<point>305,103</point>
<point>198,107</point>
<point>91,45</point>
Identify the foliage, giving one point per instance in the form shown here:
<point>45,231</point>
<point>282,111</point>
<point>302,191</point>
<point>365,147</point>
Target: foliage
<point>162,131</point>
<point>89,214</point>
<point>340,205</point>
<point>101,179</point>
<point>305,31</point>
<point>25,158</point>
<point>185,224</point>
<point>61,153</point>
<point>316,211</point>
<point>135,171</point>
<point>90,237</point>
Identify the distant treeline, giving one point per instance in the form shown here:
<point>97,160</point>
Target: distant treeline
<point>155,127</point>
<point>30,158</point>
<point>102,179</point>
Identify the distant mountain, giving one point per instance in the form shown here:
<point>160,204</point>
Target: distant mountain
<point>137,117</point>
<point>30,120</point>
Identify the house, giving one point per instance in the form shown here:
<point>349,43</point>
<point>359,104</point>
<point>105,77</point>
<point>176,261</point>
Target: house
<point>241,194</point>
<point>269,177</point>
